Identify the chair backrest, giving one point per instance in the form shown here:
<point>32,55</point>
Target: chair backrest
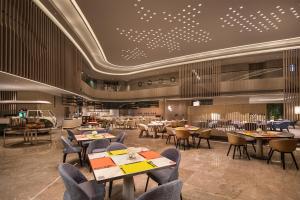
<point>182,134</point>
<point>97,144</point>
<point>235,139</point>
<point>66,142</point>
<point>170,131</point>
<point>143,127</point>
<point>173,124</point>
<point>116,146</point>
<point>71,135</point>
<point>168,191</point>
<point>205,133</point>
<point>174,155</point>
<point>72,177</point>
<point>284,145</point>
<point>180,123</point>
<point>121,137</point>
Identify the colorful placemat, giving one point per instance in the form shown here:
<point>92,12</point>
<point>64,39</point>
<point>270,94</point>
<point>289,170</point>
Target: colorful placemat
<point>93,136</point>
<point>119,152</point>
<point>137,167</point>
<point>149,154</point>
<point>100,163</point>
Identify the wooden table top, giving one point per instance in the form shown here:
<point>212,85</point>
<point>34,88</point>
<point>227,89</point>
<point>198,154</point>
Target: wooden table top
<point>266,134</point>
<point>89,137</point>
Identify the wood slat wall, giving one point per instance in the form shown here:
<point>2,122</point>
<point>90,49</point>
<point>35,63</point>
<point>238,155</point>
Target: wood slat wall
<point>291,71</point>
<point>32,46</point>
<point>8,109</point>
<point>200,79</point>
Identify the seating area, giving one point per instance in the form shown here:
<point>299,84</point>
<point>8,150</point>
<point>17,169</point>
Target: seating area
<point>149,100</point>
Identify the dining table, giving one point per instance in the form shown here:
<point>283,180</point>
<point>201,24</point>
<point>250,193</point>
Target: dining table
<point>156,126</point>
<point>261,136</point>
<point>125,164</point>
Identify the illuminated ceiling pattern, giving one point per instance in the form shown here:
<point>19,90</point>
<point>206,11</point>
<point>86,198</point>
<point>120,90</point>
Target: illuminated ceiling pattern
<point>133,35</point>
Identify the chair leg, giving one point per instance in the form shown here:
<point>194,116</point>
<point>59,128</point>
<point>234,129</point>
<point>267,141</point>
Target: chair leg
<point>294,160</point>
<point>270,155</point>
<point>65,157</point>
<point>147,183</point>
<point>177,144</point>
<point>253,147</point>
<point>184,144</point>
<point>174,140</point>
<point>283,160</point>
<point>167,139</point>
<point>110,188</point>
<point>208,143</point>
<point>180,196</point>
<point>229,149</point>
<point>246,151</point>
<point>239,148</point>
<point>199,143</point>
<point>234,152</point>
<point>80,160</point>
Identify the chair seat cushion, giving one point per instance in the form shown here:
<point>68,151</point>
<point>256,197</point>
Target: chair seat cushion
<point>74,149</point>
<point>94,190</point>
<point>249,139</point>
<point>161,176</point>
<point>98,150</point>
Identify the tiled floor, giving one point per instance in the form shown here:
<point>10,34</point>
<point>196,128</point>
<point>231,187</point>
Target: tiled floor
<point>30,172</point>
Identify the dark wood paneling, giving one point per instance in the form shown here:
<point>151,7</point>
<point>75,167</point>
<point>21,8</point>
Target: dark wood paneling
<point>291,72</point>
<point>8,109</point>
<point>32,46</point>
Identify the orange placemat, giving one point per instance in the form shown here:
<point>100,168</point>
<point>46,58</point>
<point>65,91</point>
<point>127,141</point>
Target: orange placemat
<point>102,163</point>
<point>149,154</point>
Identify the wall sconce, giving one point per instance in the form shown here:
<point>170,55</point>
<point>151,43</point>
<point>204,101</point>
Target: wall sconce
<point>170,108</point>
<point>297,110</point>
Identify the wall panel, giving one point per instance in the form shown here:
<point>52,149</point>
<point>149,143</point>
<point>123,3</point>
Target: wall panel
<point>32,46</point>
<point>291,72</point>
<point>200,79</point>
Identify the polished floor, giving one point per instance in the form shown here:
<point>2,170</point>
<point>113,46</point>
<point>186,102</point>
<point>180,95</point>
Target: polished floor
<point>30,172</point>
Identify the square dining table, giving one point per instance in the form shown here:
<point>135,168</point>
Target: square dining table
<point>259,136</point>
<point>126,163</point>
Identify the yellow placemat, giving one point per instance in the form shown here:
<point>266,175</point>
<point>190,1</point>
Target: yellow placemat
<point>137,167</point>
<point>119,152</point>
<point>91,136</point>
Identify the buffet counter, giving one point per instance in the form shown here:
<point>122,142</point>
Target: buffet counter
<point>71,123</point>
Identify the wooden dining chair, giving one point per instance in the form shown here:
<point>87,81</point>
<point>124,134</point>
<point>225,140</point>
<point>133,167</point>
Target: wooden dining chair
<point>182,136</point>
<point>283,146</point>
<point>170,134</point>
<point>237,141</point>
<point>204,134</point>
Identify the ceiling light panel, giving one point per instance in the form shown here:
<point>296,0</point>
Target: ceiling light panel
<point>141,32</point>
<point>183,27</point>
<point>257,20</point>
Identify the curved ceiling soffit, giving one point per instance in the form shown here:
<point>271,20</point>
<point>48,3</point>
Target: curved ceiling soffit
<point>77,20</point>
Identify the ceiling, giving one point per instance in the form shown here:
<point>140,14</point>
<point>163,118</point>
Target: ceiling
<point>131,36</point>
